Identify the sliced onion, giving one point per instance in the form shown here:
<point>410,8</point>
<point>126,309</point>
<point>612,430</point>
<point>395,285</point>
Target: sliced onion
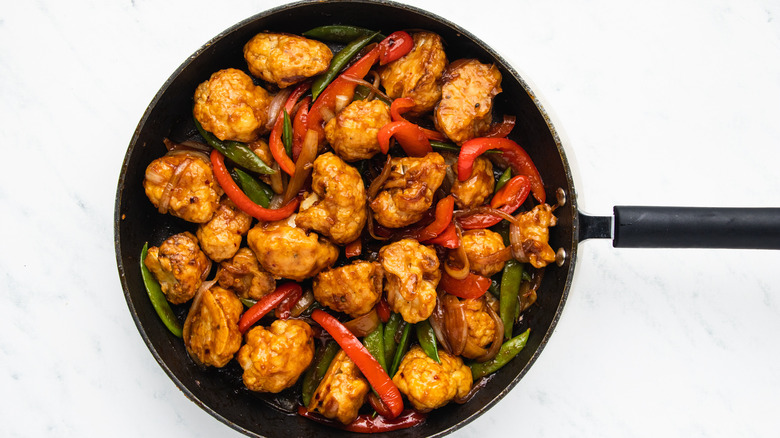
<point>365,83</point>
<point>306,300</point>
<point>303,166</point>
<point>275,107</point>
<point>194,308</point>
<point>187,145</point>
<point>455,326</point>
<point>478,384</point>
<point>437,324</point>
<point>342,101</point>
<point>498,336</point>
<point>327,114</point>
<point>487,210</point>
<point>370,226</point>
<point>462,271</point>
<point>379,181</point>
<point>363,325</point>
<point>516,243</point>
<point>165,199</point>
<point>277,179</point>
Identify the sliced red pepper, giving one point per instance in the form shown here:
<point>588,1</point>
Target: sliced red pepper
<point>473,286</point>
<point>284,309</point>
<point>448,238</point>
<point>517,157</point>
<point>396,45</point>
<point>266,304</point>
<point>240,198</point>
<point>354,248</point>
<point>501,130</point>
<point>383,310</point>
<point>507,199</point>
<point>300,127</point>
<point>410,136</point>
<point>369,366</point>
<point>404,104</point>
<point>275,139</point>
<point>367,423</point>
<point>443,219</point>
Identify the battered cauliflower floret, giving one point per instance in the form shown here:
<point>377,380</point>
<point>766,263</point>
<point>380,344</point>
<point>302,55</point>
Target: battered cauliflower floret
<point>231,106</point>
<point>482,329</point>
<point>411,276</point>
<point>429,385</point>
<point>286,59</point>
<point>479,244</point>
<point>289,252</point>
<point>341,392</point>
<point>340,211</point>
<point>408,191</point>
<point>352,289</point>
<point>221,237</point>
<point>179,266</point>
<point>353,132</point>
<point>464,111</point>
<point>242,274</point>
<point>274,358</point>
<point>534,227</point>
<point>477,188</point>
<point>418,74</point>
<point>183,185</point>
<point>211,333</point>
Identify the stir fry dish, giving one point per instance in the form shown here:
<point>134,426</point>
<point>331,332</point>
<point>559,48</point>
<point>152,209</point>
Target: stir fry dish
<point>364,232</point>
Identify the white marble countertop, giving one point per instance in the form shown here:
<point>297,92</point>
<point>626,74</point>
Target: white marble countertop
<point>660,103</point>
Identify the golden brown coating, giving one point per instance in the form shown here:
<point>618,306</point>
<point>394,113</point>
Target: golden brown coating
<point>340,211</point>
<point>341,392</point>
<point>411,276</point>
<point>479,245</point>
<point>418,74</point>
<point>429,385</point>
<point>243,275</point>
<point>211,333</point>
<point>183,185</point>
<point>353,132</point>
<point>221,237</point>
<point>352,289</point>
<point>481,329</point>
<point>464,111</point>
<point>534,227</point>
<point>286,59</point>
<point>408,191</point>
<point>477,188</point>
<point>290,252</point>
<point>179,266</point>
<point>274,358</point>
<point>231,106</point>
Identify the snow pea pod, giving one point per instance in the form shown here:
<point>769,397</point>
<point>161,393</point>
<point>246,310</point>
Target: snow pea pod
<point>339,33</point>
<point>236,151</point>
<point>375,344</point>
<point>339,61</point>
<point>507,352</point>
<point>391,327</point>
<point>427,339</point>
<point>157,297</point>
<point>403,345</point>
<point>503,179</point>
<point>510,285</point>
<point>257,191</point>
<point>322,359</point>
<point>287,133</point>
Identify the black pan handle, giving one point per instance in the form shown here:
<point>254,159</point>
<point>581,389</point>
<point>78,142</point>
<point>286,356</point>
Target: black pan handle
<point>686,227</point>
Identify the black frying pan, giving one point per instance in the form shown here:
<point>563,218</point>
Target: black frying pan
<point>220,392</point>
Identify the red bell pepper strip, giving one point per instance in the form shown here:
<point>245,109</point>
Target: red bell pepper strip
<point>275,139</point>
<point>473,286</point>
<point>396,45</point>
<point>284,309</point>
<point>517,157</point>
<point>410,136</point>
<point>240,198</point>
<point>354,248</point>
<point>383,310</point>
<point>300,127</point>
<point>404,104</point>
<point>443,219</point>
<point>367,364</point>
<point>367,423</point>
<point>507,199</point>
<point>448,238</point>
<point>266,304</point>
<point>501,130</point>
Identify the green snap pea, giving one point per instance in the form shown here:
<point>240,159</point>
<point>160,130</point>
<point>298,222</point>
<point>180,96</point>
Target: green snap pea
<point>375,344</point>
<point>322,359</point>
<point>236,151</point>
<point>427,340</point>
<point>503,179</point>
<point>510,285</point>
<point>507,352</point>
<point>446,147</point>
<point>338,33</point>
<point>157,297</point>
<point>256,190</point>
<point>403,346</point>
<point>338,62</point>
<point>391,327</point>
<point>287,133</point>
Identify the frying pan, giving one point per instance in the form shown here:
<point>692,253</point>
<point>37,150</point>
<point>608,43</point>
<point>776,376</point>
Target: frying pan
<point>220,392</point>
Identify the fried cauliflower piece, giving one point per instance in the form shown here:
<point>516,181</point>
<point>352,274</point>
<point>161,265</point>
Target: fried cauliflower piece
<point>464,111</point>
<point>274,358</point>
<point>340,211</point>
<point>211,333</point>
<point>353,132</point>
<point>183,185</point>
<point>341,392</point>
<point>482,329</point>
<point>408,191</point>
<point>290,252</point>
<point>418,74</point>
<point>243,275</point>
<point>231,106</point>
<point>477,188</point>
<point>535,229</point>
<point>411,276</point>
<point>352,289</point>
<point>479,244</point>
<point>179,266</point>
<point>286,59</point>
<point>221,237</point>
<point>429,385</point>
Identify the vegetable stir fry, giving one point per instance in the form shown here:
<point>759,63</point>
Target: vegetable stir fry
<point>364,231</point>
